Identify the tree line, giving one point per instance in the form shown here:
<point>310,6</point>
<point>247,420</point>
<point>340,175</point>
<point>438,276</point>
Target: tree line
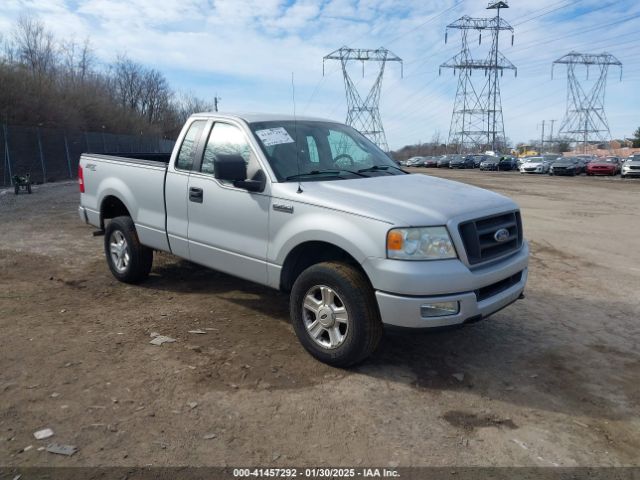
<point>48,82</point>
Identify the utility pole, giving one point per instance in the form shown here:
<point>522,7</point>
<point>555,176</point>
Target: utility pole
<point>551,134</point>
<point>216,99</point>
<point>542,139</point>
<point>477,112</point>
<point>364,115</point>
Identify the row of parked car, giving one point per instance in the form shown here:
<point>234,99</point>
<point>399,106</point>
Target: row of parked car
<point>483,162</point>
<point>588,164</point>
<point>549,164</point>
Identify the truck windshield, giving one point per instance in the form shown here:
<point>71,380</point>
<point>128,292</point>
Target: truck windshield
<point>316,151</point>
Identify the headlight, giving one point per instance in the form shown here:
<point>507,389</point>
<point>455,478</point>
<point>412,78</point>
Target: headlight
<point>426,243</point>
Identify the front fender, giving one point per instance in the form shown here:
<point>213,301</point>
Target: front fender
<point>358,236</point>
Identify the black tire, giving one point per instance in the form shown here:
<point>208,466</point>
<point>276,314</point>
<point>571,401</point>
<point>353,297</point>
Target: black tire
<point>364,328</point>
<point>140,257</point>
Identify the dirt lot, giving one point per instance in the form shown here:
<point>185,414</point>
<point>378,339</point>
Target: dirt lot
<point>551,380</point>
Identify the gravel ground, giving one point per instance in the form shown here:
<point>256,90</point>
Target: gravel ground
<point>551,380</point>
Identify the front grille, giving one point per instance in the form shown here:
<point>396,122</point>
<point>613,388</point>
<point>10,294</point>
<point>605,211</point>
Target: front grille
<point>478,236</point>
<point>634,167</point>
<point>495,288</point>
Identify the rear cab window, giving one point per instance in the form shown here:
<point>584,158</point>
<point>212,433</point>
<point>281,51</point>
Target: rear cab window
<point>187,152</point>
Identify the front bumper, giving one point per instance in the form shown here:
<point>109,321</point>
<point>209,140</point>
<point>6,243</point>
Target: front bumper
<point>601,171</point>
<point>563,171</point>
<point>631,172</point>
<point>434,282</point>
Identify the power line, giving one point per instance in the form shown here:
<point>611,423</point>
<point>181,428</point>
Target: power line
<point>585,118</point>
<point>364,114</point>
<point>477,113</point>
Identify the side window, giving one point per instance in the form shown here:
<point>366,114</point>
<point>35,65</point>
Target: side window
<point>224,139</point>
<point>314,157</point>
<point>189,144</point>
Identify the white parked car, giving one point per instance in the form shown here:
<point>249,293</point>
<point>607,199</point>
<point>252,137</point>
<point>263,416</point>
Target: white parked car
<point>534,165</point>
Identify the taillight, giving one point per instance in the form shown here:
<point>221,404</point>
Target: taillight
<point>80,179</point>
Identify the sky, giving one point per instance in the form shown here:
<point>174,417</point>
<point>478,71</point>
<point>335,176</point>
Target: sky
<point>245,51</point>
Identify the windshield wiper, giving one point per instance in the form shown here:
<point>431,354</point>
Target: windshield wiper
<point>376,168</point>
<point>313,172</point>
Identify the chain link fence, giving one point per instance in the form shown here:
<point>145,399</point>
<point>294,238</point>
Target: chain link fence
<point>50,155</point>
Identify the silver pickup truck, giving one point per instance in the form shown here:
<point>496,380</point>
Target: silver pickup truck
<point>312,208</point>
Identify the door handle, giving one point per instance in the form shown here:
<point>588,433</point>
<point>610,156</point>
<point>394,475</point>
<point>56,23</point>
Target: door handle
<point>195,195</point>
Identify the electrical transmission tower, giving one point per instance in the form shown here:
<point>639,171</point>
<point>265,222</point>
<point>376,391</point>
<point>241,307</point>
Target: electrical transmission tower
<point>364,115</point>
<point>477,111</point>
<point>585,119</point>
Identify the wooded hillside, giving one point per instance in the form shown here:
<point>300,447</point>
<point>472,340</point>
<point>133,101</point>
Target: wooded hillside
<point>57,83</point>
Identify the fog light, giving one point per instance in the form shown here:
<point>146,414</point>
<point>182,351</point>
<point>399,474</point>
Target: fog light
<point>439,309</point>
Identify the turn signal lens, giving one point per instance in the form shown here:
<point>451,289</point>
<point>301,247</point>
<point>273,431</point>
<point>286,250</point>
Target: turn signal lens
<point>394,240</point>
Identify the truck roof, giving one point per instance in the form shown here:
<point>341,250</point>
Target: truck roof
<point>251,117</point>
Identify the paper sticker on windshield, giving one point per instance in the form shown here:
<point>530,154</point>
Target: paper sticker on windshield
<point>274,136</point>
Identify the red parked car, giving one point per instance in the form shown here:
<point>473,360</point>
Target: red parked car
<point>608,166</point>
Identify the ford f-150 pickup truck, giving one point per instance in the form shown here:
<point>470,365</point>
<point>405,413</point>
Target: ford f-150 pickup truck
<point>311,207</point>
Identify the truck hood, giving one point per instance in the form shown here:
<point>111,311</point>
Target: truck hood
<point>407,200</point>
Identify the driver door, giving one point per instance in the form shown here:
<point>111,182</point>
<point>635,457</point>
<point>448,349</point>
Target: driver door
<point>228,226</point>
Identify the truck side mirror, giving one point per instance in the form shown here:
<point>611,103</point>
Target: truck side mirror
<point>232,168</point>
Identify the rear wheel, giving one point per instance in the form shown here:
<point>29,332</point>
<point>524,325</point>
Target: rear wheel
<point>128,260</point>
<point>334,314</point>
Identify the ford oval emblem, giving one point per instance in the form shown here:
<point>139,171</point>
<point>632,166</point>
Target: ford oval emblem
<point>501,235</point>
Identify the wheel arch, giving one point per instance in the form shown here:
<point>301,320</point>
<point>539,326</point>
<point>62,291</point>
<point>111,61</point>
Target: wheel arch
<point>311,253</point>
<point>112,206</point>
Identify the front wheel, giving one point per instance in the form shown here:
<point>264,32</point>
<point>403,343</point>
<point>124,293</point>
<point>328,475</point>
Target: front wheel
<point>334,314</point>
<point>128,260</point>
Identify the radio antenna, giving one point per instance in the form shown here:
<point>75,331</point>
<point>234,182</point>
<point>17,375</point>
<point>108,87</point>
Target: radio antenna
<point>295,131</point>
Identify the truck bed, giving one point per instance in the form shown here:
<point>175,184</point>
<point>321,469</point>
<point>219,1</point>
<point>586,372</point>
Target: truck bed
<point>142,158</point>
<point>137,180</point>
